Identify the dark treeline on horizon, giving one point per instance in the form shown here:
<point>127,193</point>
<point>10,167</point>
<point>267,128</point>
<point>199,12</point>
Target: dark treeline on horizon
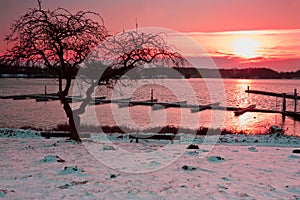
<point>259,73</point>
<point>7,71</point>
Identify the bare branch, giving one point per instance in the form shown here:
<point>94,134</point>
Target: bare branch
<point>53,38</point>
<point>40,4</point>
<point>128,50</point>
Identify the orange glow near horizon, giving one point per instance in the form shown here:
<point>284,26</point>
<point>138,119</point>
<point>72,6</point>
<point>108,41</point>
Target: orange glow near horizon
<point>245,47</point>
<point>276,49</point>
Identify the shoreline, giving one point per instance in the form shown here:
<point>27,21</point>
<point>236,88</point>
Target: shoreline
<point>201,130</point>
<point>264,140</point>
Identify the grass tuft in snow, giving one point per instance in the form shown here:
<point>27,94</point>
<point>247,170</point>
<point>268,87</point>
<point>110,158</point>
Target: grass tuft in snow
<point>71,170</point>
<point>18,133</point>
<point>66,186</point>
<point>252,149</point>
<point>215,159</point>
<point>106,148</point>
<point>51,159</point>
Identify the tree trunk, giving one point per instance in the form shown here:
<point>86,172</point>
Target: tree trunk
<point>60,82</point>
<point>73,120</point>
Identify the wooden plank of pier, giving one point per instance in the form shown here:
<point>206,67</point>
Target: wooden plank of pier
<point>70,99</point>
<point>204,107</point>
<point>241,111</point>
<point>45,97</point>
<point>294,115</point>
<point>230,108</point>
<point>23,96</point>
<point>288,96</point>
<point>137,103</point>
<point>163,105</point>
<point>50,96</point>
<point>106,101</point>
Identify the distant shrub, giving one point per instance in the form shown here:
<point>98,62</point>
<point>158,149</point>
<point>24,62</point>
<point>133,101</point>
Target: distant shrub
<point>31,128</point>
<point>62,127</point>
<point>157,129</point>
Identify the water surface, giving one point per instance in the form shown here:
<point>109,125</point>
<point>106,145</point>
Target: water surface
<point>49,114</point>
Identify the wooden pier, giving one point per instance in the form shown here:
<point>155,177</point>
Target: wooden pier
<point>294,114</point>
<point>287,96</point>
<point>156,105</point>
<point>49,97</point>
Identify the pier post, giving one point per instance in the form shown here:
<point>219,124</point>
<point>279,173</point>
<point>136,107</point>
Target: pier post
<point>151,96</point>
<point>283,103</point>
<point>295,100</point>
<point>248,88</point>
<point>283,108</point>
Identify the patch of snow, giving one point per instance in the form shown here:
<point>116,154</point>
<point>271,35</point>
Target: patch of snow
<point>257,140</point>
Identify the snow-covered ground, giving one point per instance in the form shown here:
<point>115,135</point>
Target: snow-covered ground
<point>237,167</point>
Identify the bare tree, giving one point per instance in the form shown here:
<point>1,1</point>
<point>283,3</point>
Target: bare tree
<point>64,41</point>
<point>55,39</point>
<point>121,53</point>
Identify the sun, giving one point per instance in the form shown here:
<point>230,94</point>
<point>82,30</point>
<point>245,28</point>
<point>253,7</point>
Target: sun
<point>246,47</point>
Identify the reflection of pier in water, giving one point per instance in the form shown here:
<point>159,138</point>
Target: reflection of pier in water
<point>156,105</point>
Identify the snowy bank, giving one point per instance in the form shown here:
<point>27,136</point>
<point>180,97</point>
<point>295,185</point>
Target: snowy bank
<point>38,168</point>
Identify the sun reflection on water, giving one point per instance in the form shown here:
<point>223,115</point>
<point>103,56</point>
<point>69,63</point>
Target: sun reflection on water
<point>242,98</point>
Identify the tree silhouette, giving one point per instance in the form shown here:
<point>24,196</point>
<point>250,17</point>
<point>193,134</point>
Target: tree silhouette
<point>55,39</point>
<point>66,42</point>
<point>124,53</point>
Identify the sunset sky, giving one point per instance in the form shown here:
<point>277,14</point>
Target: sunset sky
<point>235,33</point>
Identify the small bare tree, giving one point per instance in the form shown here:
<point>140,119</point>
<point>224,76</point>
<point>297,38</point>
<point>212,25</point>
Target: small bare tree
<point>58,40</point>
<point>121,53</point>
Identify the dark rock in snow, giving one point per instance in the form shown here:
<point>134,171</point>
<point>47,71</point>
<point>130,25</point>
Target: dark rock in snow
<point>193,146</point>
<point>59,159</point>
<point>296,151</point>
<point>113,176</point>
<point>188,168</point>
